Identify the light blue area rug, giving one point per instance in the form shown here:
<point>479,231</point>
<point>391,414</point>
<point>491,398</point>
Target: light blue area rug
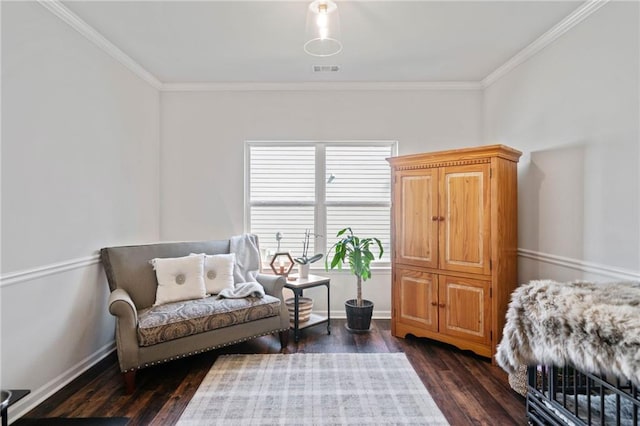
<point>312,389</point>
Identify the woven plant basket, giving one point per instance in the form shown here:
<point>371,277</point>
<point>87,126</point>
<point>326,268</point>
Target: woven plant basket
<point>305,305</point>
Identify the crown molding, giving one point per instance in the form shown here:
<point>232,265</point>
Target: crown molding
<point>577,16</point>
<point>581,265</point>
<point>315,86</point>
<point>75,22</point>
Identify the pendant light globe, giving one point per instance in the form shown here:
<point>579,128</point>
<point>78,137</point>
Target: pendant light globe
<point>322,29</point>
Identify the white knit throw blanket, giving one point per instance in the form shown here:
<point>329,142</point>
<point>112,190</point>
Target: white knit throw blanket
<point>594,327</point>
<point>242,290</point>
<point>247,252</point>
<point>246,269</point>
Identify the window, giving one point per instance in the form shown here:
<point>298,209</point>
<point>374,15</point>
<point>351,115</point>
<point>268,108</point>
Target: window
<point>321,186</point>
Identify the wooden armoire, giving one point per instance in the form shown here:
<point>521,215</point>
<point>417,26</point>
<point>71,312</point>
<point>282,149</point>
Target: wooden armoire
<point>454,222</point>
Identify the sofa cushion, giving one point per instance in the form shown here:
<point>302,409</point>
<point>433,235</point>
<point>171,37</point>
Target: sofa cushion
<point>179,278</point>
<point>180,319</point>
<point>218,271</point>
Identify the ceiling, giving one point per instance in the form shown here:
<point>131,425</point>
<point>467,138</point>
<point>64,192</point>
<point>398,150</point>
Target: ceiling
<point>261,41</point>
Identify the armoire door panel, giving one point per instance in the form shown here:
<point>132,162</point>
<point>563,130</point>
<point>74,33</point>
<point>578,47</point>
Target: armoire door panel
<point>465,309</point>
<point>465,212</point>
<point>416,220</point>
<point>416,299</point>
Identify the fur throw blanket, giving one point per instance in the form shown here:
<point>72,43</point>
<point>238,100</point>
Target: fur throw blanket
<point>594,327</point>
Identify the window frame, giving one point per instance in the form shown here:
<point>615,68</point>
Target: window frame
<point>320,204</point>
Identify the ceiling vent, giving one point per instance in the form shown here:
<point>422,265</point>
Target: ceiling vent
<point>326,68</point>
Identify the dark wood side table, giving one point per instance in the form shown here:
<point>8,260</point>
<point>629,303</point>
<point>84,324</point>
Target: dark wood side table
<point>298,286</point>
<point>16,395</point>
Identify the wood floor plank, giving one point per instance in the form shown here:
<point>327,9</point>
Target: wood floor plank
<point>467,388</point>
<point>170,412</point>
<point>438,388</point>
<point>494,383</point>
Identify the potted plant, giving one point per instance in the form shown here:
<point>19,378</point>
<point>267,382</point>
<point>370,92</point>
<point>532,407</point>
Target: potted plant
<point>357,252</point>
<point>304,261</point>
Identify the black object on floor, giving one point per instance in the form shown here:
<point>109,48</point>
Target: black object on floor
<point>72,421</point>
<point>15,395</point>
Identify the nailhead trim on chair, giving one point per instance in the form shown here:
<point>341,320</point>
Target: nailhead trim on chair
<point>206,349</point>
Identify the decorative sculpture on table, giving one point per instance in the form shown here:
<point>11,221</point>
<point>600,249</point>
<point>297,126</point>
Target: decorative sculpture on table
<point>281,263</point>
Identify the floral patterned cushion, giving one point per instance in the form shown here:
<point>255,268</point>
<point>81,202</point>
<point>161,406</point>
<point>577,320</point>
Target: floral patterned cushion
<point>161,323</point>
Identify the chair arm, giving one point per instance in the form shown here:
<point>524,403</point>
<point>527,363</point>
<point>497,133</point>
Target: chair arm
<point>121,306</point>
<point>273,284</point>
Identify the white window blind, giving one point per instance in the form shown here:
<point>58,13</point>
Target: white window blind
<point>321,186</point>
<point>360,174</point>
<point>359,193</point>
<point>282,174</point>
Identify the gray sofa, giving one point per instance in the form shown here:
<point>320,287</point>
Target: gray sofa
<point>148,335</point>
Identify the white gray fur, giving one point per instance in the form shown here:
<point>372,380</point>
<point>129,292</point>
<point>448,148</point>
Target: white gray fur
<point>593,326</point>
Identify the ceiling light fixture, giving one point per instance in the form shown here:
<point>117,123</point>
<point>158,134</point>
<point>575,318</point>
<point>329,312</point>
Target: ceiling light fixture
<point>323,29</point>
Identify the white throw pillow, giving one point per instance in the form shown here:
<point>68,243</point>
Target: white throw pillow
<point>179,278</point>
<point>218,272</point>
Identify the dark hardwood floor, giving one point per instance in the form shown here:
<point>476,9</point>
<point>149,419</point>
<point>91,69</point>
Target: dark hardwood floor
<point>467,388</point>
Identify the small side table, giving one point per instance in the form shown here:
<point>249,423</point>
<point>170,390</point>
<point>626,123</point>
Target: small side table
<point>16,395</point>
<point>298,286</point>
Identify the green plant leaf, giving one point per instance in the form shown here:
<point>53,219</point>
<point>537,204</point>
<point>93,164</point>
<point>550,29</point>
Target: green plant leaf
<point>337,260</point>
<point>379,247</point>
<point>356,252</point>
<point>342,231</point>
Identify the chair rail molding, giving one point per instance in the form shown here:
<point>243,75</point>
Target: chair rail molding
<point>17,277</point>
<point>580,265</point>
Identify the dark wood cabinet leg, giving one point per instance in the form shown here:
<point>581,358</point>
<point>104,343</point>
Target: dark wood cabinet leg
<point>284,339</point>
<point>129,381</point>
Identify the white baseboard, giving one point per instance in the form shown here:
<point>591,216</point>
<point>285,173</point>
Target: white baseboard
<point>37,396</point>
<point>342,315</point>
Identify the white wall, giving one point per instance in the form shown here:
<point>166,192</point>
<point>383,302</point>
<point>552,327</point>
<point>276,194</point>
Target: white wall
<point>80,146</point>
<point>202,150</point>
<point>82,168</point>
<point>573,109</point>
